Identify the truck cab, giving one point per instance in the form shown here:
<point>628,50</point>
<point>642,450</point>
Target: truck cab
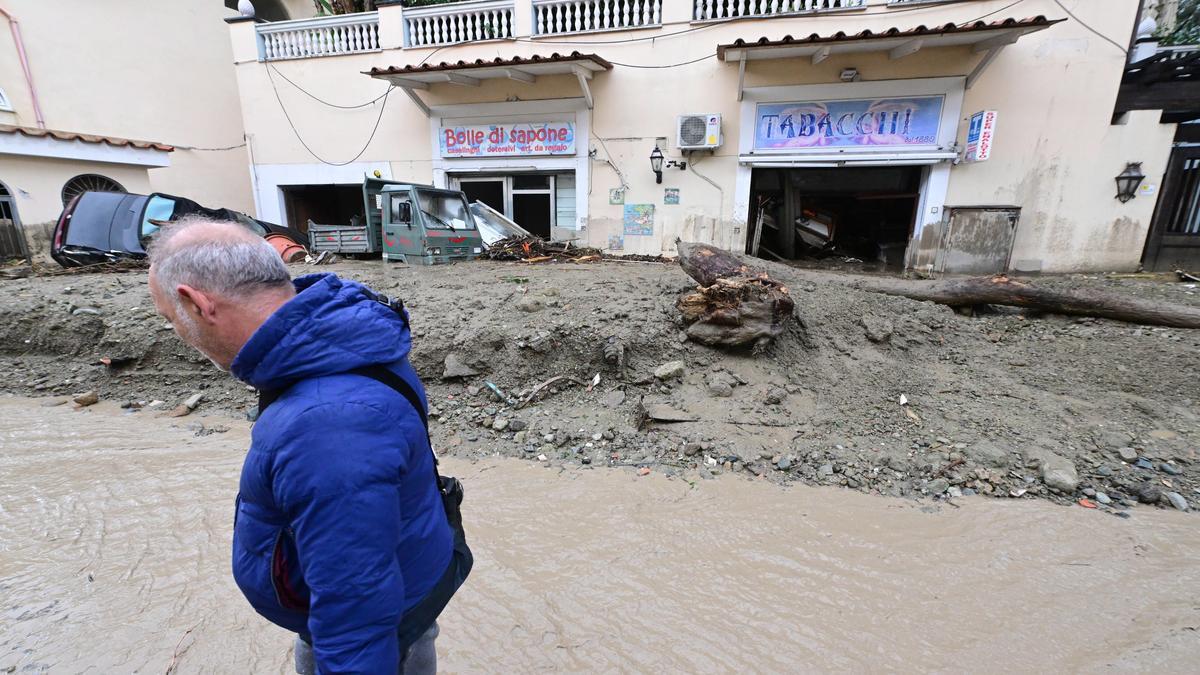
<point>424,225</point>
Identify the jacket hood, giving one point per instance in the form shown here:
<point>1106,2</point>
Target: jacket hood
<point>332,325</point>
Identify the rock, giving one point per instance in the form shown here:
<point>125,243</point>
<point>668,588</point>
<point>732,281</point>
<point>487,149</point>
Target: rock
<point>473,390</point>
<point>87,398</point>
<point>520,437</point>
<point>528,304</point>
<point>1103,498</point>
<point>1113,439</point>
<point>457,366</point>
<point>55,402</point>
<point>1089,492</point>
<point>938,486</point>
<point>517,425</point>
<point>706,474</point>
<point>1170,469</point>
<point>775,396</point>
<point>541,458</point>
<point>986,454</point>
<point>719,389</point>
<point>784,464</point>
<point>85,310</point>
<point>614,398</point>
<point>1059,473</point>
<point>193,401</point>
<point>1177,501</point>
<point>1144,463</point>
<point>500,424</point>
<point>1103,471</point>
<point>877,329</point>
<point>968,492</point>
<point>955,492</point>
<point>670,370</point>
<point>1158,434</point>
<point>690,449</point>
<point>1128,455</point>
<point>825,470</point>
<point>1149,494</point>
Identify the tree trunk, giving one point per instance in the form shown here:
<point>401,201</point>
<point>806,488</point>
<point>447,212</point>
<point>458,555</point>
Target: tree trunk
<point>1000,290</point>
<point>734,307</point>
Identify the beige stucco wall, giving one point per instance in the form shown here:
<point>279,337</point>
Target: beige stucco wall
<point>1055,155</point>
<point>136,69</point>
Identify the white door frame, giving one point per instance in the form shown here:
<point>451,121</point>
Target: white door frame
<point>936,178</point>
<point>272,178</point>
<point>553,110</point>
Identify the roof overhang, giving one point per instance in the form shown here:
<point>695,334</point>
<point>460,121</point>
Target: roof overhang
<point>472,73</point>
<point>989,38</point>
<point>82,147</point>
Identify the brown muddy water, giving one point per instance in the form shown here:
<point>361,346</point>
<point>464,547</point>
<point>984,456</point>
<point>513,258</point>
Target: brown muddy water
<point>114,558</point>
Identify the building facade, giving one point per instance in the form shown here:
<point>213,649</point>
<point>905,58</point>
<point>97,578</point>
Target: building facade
<point>122,95</point>
<point>968,136</point>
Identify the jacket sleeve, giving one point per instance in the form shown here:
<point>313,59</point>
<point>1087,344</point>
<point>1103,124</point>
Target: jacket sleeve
<point>336,476</point>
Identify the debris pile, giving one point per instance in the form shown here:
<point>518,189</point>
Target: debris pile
<point>534,249</point>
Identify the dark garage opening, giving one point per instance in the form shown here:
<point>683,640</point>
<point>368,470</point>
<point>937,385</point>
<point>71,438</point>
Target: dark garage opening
<point>849,212</point>
<point>322,204</point>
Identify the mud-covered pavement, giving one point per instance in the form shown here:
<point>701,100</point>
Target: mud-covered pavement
<point>1004,404</point>
<point>115,558</point>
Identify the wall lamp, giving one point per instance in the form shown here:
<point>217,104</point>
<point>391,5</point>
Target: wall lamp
<point>1129,180</point>
<point>656,164</point>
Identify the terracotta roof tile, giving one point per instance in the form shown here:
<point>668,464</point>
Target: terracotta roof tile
<point>86,138</point>
<point>493,63</point>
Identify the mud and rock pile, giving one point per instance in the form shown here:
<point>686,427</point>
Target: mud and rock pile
<point>875,393</point>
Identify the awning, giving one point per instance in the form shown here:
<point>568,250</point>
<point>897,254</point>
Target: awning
<point>471,73</point>
<point>848,158</point>
<point>28,141</point>
<point>983,37</point>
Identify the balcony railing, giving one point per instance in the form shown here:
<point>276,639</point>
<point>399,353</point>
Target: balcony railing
<point>324,36</point>
<point>558,17</point>
<point>707,10</point>
<point>459,22</point>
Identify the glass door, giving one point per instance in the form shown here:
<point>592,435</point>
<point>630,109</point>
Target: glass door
<point>491,191</point>
<point>528,199</point>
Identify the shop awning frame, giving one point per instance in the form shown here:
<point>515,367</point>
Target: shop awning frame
<point>524,69</point>
<point>840,159</point>
<point>988,38</point>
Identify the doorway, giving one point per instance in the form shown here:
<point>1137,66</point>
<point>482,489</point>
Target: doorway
<point>535,201</point>
<point>1174,239</point>
<point>852,213</point>
<point>323,205</point>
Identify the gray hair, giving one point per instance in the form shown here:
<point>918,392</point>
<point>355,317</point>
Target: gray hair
<point>218,257</point>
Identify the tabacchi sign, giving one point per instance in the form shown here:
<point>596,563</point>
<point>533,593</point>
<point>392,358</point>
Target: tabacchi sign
<point>833,124</point>
<point>508,140</point>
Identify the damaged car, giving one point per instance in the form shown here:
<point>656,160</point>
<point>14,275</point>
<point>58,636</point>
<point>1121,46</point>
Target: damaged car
<point>103,227</point>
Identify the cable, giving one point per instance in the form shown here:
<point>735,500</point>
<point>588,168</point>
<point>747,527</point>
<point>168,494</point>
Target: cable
<point>1092,30</point>
<point>669,65</point>
<point>978,18</point>
<point>316,98</point>
<point>231,147</point>
<point>295,131</point>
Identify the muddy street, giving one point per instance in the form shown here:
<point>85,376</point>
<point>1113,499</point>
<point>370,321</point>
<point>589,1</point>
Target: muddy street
<point>116,531</point>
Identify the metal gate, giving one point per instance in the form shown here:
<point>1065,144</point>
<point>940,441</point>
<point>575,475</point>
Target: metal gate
<point>12,235</point>
<point>978,240</point>
<point>1174,241</point>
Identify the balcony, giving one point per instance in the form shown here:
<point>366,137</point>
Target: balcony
<point>323,36</point>
<point>711,10</point>
<point>440,25</point>
<point>565,17</point>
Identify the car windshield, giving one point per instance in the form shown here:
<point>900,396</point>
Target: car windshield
<point>445,210</point>
<point>159,209</point>
<point>252,224</point>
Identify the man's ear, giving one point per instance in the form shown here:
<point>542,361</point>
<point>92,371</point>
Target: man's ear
<point>197,303</point>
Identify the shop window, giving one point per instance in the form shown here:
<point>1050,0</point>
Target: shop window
<point>564,200</point>
<point>89,182</point>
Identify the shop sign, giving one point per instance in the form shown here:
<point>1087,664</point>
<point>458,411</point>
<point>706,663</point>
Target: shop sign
<point>980,134</point>
<point>508,140</point>
<point>856,123</point>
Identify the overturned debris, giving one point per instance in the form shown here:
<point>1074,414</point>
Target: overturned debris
<point>535,249</point>
<point>734,306</point>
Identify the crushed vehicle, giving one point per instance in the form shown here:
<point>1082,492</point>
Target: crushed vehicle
<point>425,225</point>
<point>104,227</point>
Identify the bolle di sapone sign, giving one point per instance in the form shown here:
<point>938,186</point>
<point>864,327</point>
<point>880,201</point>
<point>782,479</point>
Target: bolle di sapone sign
<point>811,125</point>
<point>508,140</point>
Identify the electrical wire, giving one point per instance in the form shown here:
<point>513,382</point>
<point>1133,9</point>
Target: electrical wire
<point>318,99</point>
<point>1095,32</point>
<point>295,131</point>
<point>979,18</point>
<point>669,65</point>
<point>231,147</point>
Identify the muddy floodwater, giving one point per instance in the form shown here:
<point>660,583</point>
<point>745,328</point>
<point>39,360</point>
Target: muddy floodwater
<point>114,558</point>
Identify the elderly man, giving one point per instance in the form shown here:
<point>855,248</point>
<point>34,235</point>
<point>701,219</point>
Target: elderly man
<point>343,532</point>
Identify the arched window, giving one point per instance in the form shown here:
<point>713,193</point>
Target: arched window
<point>89,181</point>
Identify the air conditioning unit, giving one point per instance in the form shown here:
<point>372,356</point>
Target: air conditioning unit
<point>699,132</point>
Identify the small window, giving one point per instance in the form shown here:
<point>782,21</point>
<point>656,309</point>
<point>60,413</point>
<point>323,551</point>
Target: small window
<point>89,182</point>
<point>5,104</point>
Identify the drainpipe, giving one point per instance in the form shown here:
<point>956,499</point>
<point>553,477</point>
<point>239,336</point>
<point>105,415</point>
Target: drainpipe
<point>15,28</point>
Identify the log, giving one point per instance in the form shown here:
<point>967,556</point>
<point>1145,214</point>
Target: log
<point>734,306</point>
<point>1001,290</point>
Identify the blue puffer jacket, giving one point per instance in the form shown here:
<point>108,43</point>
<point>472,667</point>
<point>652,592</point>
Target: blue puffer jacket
<point>339,527</point>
